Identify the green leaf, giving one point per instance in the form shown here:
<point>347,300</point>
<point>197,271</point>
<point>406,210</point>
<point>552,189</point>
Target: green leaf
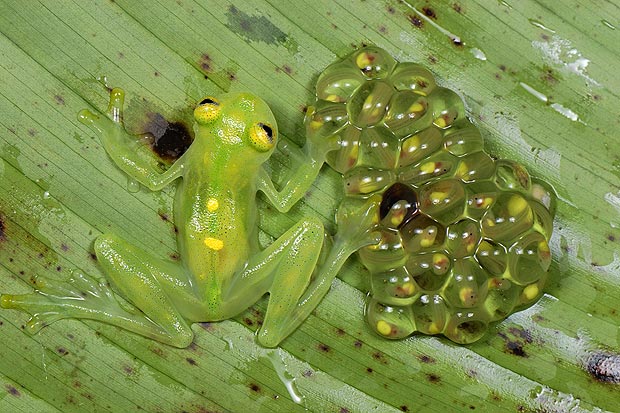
<point>538,78</point>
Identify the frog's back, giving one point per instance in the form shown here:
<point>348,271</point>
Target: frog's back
<point>216,223</point>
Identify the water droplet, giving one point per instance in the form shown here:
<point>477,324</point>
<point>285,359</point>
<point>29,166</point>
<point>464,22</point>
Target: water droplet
<point>46,195</point>
<point>608,24</point>
<point>538,24</point>
<point>133,185</point>
<point>478,54</point>
<point>286,379</point>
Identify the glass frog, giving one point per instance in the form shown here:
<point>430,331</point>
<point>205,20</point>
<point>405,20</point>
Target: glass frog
<point>464,236</point>
<point>222,270</point>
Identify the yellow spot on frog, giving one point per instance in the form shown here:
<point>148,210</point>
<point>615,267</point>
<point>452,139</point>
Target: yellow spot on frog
<point>214,243</point>
<point>383,328</point>
<point>530,292</point>
<point>212,204</point>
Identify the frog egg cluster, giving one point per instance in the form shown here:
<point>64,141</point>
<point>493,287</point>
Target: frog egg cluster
<point>464,237</point>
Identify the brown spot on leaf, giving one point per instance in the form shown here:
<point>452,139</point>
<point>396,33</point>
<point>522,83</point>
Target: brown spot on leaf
<point>254,387</point>
<point>515,348</point>
<point>191,361</point>
<point>380,357</point>
<point>205,63</point>
<point>433,378</point>
<point>416,21</point>
<point>549,76</point>
<point>426,359</point>
<point>59,99</point>
<point>324,347</point>
<point>428,12</point>
<point>12,390</point>
<point>2,227</point>
<point>404,408</point>
<point>62,351</point>
<point>457,8</point>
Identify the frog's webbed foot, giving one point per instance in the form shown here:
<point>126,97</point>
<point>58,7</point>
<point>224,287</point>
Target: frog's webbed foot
<point>53,300</point>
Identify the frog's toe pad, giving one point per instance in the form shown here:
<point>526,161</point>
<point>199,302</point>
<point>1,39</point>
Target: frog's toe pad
<point>38,305</point>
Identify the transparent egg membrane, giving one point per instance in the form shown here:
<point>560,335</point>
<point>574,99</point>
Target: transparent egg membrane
<point>464,237</point>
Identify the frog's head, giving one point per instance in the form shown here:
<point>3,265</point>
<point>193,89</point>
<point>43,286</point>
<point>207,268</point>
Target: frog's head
<point>239,122</point>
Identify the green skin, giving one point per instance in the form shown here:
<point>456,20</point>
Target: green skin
<point>222,271</point>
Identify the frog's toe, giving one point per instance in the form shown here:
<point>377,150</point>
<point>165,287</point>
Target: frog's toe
<point>37,305</point>
<point>87,117</point>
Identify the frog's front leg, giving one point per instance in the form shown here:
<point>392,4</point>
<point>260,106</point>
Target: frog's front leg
<point>152,285</point>
<point>123,148</point>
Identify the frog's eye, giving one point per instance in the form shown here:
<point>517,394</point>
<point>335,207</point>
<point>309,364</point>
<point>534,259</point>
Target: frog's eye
<point>262,137</point>
<point>207,110</point>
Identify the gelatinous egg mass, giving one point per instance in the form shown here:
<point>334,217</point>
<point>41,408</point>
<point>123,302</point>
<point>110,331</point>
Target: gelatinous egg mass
<point>464,238</point>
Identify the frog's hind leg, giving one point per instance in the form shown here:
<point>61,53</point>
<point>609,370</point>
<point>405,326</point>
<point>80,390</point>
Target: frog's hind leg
<point>300,286</point>
<point>140,278</point>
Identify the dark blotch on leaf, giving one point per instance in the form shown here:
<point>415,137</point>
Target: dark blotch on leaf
<point>324,347</point>
<point>416,21</point>
<point>205,62</point>
<point>428,12</point>
<point>190,361</point>
<point>2,228</point>
<point>170,140</point>
<point>255,387</point>
<point>62,351</point>
<point>604,367</point>
<point>404,408</point>
<point>254,28</point>
<point>515,348</point>
<point>13,391</point>
<point>433,378</point>
<point>426,359</point>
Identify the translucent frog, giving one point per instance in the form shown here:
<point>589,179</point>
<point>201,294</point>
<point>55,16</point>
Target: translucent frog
<point>222,269</point>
